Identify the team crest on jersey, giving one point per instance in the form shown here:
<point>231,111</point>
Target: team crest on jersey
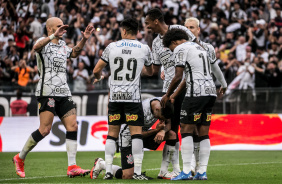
<point>197,116</point>
<point>129,159</point>
<point>132,117</point>
<point>114,117</point>
<point>51,102</point>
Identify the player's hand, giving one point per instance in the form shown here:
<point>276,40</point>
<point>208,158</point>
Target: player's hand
<point>162,75</point>
<point>222,90</point>
<point>159,137</point>
<point>88,32</point>
<point>97,80</point>
<point>160,125</point>
<point>61,30</point>
<point>165,98</point>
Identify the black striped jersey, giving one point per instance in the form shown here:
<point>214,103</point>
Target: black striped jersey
<point>149,120</point>
<point>194,59</point>
<point>126,59</point>
<point>52,64</point>
<point>162,55</point>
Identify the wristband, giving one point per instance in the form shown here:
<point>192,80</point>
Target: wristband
<point>100,78</point>
<point>52,37</point>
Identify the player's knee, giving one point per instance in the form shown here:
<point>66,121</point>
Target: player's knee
<point>171,134</point>
<point>72,127</point>
<point>45,131</point>
<point>127,176</point>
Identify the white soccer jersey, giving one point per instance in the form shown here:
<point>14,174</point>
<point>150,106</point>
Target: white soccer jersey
<point>149,120</point>
<point>52,63</point>
<point>126,59</point>
<point>162,55</point>
<point>198,77</point>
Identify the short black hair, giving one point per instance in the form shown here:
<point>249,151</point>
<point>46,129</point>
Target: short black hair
<point>168,111</point>
<point>19,94</point>
<point>173,35</point>
<point>155,13</point>
<point>130,25</point>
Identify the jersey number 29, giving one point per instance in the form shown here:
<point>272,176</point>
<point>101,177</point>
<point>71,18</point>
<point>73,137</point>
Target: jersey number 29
<point>119,60</point>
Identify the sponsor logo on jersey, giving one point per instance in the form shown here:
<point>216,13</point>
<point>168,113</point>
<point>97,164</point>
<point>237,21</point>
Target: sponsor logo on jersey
<point>132,117</point>
<point>210,90</point>
<point>61,90</point>
<point>208,117</point>
<point>51,102</point>
<point>114,117</point>
<point>129,159</point>
<point>126,44</point>
<point>122,96</point>
<point>197,116</point>
<point>183,113</point>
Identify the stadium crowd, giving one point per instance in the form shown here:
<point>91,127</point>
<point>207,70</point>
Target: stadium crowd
<point>247,35</point>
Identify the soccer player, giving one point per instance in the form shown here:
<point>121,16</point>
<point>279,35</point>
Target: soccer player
<point>200,97</point>
<point>53,93</point>
<point>126,59</point>
<point>152,138</point>
<point>162,56</point>
<point>193,25</point>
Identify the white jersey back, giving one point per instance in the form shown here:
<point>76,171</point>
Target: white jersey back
<point>52,63</point>
<point>149,120</point>
<point>193,57</point>
<point>163,55</point>
<point>126,59</point>
<point>210,50</point>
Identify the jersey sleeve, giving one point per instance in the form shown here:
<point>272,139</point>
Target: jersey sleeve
<point>155,55</point>
<point>179,57</point>
<point>106,53</point>
<point>211,54</point>
<point>148,59</point>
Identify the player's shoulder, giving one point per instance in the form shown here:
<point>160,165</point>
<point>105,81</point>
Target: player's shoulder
<point>184,46</point>
<point>205,44</point>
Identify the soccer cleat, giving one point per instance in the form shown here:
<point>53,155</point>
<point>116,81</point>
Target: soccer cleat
<point>108,176</point>
<point>95,171</point>
<point>75,170</point>
<point>174,174</point>
<point>183,176</point>
<point>19,165</point>
<point>164,175</point>
<point>142,176</point>
<point>200,176</point>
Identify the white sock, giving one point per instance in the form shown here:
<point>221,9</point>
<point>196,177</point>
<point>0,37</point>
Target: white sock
<point>110,149</point>
<point>166,157</point>
<point>204,154</point>
<point>137,152</point>
<point>71,151</point>
<point>193,163</point>
<point>103,165</point>
<point>175,159</point>
<point>115,168</point>
<point>29,145</point>
<point>196,153</point>
<point>187,149</point>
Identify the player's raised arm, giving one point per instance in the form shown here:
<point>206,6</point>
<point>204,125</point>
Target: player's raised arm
<point>98,69</point>
<point>85,35</point>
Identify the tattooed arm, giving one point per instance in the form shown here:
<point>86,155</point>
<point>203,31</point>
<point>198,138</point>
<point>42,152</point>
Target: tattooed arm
<point>85,35</point>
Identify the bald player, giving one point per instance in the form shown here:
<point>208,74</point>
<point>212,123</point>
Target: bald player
<point>53,93</point>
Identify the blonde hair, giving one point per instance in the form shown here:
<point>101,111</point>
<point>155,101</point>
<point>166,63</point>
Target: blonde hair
<point>193,19</point>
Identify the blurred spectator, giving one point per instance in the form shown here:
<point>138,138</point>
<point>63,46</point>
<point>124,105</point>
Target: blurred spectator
<point>259,33</point>
<point>80,77</point>
<point>260,77</point>
<point>35,27</point>
<point>23,73</point>
<point>232,65</point>
<point>273,75</point>
<point>21,40</point>
<point>261,53</point>
<point>19,106</point>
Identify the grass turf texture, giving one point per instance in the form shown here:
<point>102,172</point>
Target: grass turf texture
<point>224,167</point>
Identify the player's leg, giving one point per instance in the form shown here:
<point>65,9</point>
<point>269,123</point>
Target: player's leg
<point>205,146</point>
<point>100,165</point>
<point>195,158</point>
<point>66,110</point>
<point>127,162</point>
<point>175,122</point>
<point>115,119</point>
<point>46,115</point>
<point>168,152</point>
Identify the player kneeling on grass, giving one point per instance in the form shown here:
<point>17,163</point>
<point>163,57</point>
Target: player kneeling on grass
<point>152,138</point>
<point>199,100</point>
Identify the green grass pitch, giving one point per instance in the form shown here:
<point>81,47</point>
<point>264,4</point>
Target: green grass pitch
<point>224,167</point>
